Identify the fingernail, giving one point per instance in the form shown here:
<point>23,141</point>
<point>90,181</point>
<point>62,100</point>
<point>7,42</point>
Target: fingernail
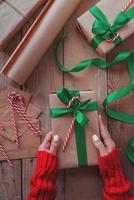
<point>56,138</point>
<point>100,116</point>
<point>95,138</point>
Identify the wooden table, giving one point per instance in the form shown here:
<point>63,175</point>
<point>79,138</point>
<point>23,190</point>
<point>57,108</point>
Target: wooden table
<point>74,184</point>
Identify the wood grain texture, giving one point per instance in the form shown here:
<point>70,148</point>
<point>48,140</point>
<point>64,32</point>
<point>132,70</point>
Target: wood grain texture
<point>44,80</point>
<point>10,22</point>
<point>82,183</point>
<point>13,15</point>
<point>121,132</point>
<point>26,8</point>
<point>27,171</point>
<point>10,179</point>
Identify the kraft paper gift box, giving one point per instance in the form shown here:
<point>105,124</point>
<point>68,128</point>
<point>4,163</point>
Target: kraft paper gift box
<point>60,126</point>
<point>110,9</point>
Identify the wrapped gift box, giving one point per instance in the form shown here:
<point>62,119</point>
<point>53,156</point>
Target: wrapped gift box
<point>86,21</point>
<point>60,125</point>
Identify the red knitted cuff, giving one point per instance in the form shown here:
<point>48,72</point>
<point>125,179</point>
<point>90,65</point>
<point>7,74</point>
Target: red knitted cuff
<point>112,174</point>
<point>47,160</point>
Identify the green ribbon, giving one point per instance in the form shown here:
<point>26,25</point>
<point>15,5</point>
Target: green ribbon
<point>130,149</point>
<point>104,30</point>
<point>102,64</point>
<point>76,109</point>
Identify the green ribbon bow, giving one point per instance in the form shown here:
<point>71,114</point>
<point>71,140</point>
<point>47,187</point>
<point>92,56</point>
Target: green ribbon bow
<point>76,109</point>
<point>104,30</point>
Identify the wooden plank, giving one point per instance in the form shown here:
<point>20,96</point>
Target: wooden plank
<point>10,179</point>
<point>44,80</point>
<point>27,170</point>
<point>83,183</point>
<point>26,8</point>
<point>60,186</point>
<point>121,132</point>
<point>18,13</point>
<point>8,27</point>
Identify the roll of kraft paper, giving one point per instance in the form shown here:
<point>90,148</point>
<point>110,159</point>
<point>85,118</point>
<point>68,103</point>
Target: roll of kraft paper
<point>38,39</point>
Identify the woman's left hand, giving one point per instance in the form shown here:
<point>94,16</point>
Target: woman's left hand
<point>50,144</point>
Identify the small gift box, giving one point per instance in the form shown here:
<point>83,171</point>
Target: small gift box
<point>107,24</point>
<point>74,118</point>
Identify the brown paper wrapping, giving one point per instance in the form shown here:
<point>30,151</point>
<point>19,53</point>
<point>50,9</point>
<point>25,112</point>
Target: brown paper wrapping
<point>60,125</point>
<point>86,20</point>
<point>38,39</point>
<point>28,141</point>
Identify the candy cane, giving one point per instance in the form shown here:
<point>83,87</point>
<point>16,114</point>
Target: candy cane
<point>13,97</point>
<point>27,120</point>
<point>128,4</point>
<point>5,155</point>
<point>14,121</point>
<point>70,130</point>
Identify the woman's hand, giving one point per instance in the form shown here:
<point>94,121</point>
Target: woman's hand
<point>106,145</point>
<point>50,144</point>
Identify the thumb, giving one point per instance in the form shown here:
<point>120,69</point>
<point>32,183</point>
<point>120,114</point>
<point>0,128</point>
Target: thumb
<point>99,145</point>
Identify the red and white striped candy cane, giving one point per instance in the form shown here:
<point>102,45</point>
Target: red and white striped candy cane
<point>13,120</point>
<point>128,4</point>
<point>70,130</point>
<point>3,150</point>
<point>13,99</point>
<point>27,120</point>
<point>5,155</point>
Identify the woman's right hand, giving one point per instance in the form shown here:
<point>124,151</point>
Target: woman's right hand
<point>106,144</point>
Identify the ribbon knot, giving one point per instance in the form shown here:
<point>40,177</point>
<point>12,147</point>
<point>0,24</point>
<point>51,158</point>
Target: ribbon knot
<point>76,107</point>
<point>74,103</point>
<point>103,30</point>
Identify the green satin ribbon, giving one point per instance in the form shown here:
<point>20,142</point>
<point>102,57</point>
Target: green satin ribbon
<point>130,149</point>
<point>102,64</point>
<point>104,30</point>
<point>76,109</point>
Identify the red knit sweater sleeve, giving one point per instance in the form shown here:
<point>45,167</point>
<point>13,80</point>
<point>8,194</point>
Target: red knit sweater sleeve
<point>116,186</point>
<point>42,185</point>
